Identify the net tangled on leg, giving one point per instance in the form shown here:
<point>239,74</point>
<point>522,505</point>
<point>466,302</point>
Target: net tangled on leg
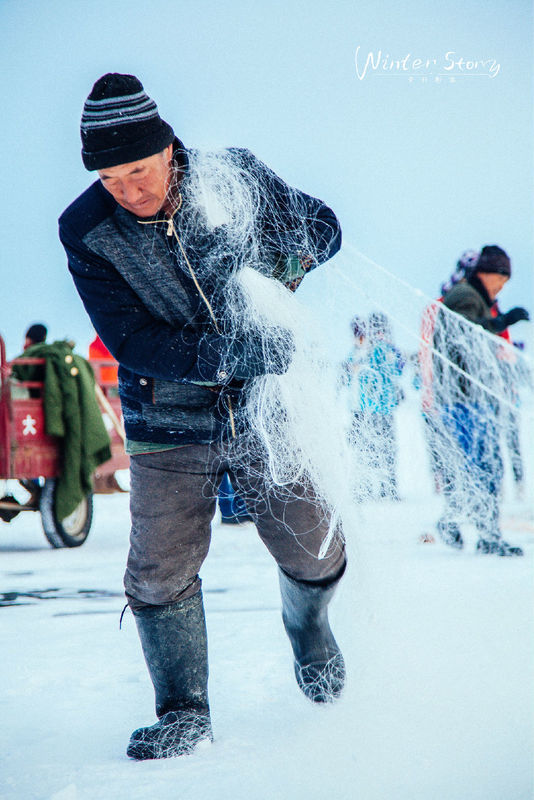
<point>322,682</point>
<point>177,733</point>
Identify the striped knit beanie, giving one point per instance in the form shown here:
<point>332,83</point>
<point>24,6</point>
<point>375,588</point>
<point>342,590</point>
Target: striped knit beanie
<point>121,123</point>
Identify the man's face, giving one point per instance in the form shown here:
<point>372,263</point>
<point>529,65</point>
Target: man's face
<point>492,282</point>
<point>140,186</point>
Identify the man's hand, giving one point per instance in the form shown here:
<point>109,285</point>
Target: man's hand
<point>255,355</point>
<point>290,270</point>
<point>221,359</point>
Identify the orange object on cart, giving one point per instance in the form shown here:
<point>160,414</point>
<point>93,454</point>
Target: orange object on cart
<point>104,365</point>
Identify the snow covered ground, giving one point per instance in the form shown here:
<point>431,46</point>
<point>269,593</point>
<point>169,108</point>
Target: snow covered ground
<point>439,647</point>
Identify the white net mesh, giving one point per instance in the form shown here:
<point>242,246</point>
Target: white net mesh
<point>472,384</point>
<point>291,416</point>
<point>177,733</point>
<point>322,682</point>
<point>308,418</point>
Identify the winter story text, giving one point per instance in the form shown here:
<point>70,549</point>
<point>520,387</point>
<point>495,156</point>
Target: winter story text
<point>451,64</point>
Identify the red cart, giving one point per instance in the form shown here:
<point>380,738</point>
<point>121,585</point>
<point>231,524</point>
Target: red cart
<point>32,458</point>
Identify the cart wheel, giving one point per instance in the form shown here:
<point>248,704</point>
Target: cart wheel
<point>74,529</point>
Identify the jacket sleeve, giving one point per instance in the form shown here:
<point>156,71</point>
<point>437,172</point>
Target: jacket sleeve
<point>492,325</point>
<point>464,303</point>
<point>145,344</point>
<point>292,222</point>
<point>472,309</point>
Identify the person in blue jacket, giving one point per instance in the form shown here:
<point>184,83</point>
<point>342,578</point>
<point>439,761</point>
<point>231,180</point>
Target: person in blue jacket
<point>152,264</point>
<point>377,365</point>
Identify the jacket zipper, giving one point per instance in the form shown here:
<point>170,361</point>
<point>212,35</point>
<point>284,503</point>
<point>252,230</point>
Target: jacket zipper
<point>171,231</point>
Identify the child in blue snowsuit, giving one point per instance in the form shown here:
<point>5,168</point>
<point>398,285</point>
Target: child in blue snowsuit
<point>376,367</point>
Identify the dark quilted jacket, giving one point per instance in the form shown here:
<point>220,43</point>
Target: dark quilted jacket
<point>176,368</point>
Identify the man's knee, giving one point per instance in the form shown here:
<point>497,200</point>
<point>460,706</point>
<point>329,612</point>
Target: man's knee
<point>171,528</point>
<point>143,595</point>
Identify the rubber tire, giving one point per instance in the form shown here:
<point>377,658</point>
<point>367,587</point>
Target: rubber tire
<point>72,531</point>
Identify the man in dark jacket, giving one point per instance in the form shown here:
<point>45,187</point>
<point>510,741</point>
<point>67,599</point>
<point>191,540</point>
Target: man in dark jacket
<point>151,262</point>
<point>469,409</point>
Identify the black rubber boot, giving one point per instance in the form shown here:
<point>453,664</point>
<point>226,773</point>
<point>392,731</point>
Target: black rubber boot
<point>319,665</point>
<point>497,547</point>
<point>175,647</point>
<point>450,534</point>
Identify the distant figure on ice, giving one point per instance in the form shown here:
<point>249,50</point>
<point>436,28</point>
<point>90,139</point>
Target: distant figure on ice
<point>469,414</point>
<point>36,334</point>
<point>381,396</point>
<point>355,360</point>
<point>374,367</point>
<point>71,415</point>
<point>152,256</point>
<point>432,414</point>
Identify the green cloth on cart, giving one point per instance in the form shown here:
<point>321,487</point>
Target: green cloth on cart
<point>73,415</point>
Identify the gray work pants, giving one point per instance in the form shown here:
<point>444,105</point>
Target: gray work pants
<point>172,504</point>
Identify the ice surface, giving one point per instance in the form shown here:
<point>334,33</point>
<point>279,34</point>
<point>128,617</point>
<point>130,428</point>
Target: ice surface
<point>439,648</point>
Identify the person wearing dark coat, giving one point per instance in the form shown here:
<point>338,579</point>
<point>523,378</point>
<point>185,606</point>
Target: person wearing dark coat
<point>36,334</point>
<point>468,415</point>
<point>141,247</point>
<point>72,415</point>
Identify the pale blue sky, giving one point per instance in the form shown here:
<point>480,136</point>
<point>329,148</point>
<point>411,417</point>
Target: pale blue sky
<point>417,171</point>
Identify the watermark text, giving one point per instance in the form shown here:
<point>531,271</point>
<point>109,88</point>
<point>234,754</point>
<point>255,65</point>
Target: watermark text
<point>450,64</point>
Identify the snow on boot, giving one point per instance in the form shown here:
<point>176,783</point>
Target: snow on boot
<point>319,665</point>
<point>450,534</point>
<point>497,547</point>
<point>177,733</point>
<point>175,647</point>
